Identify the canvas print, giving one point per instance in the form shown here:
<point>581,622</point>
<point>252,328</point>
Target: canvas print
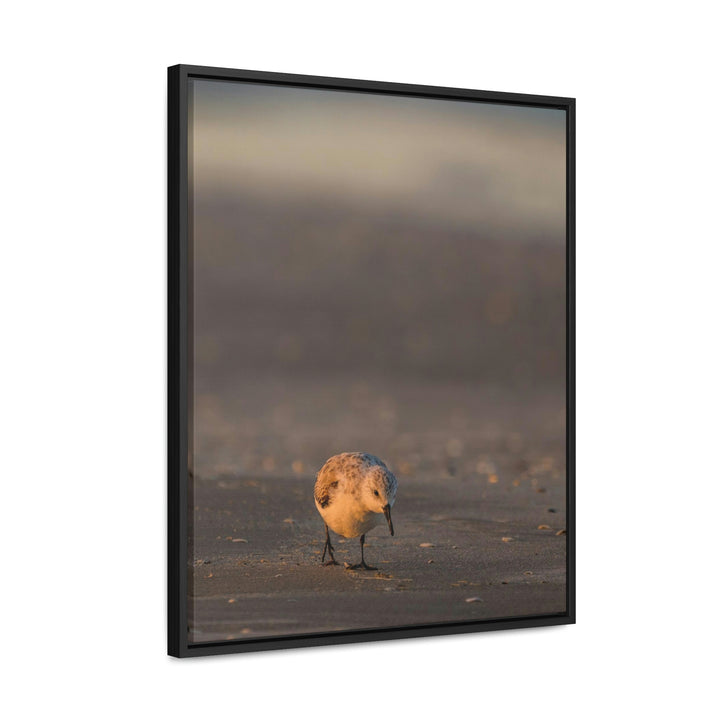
<point>377,395</point>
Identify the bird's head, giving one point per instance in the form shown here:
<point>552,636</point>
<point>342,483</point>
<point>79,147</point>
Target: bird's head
<point>379,493</point>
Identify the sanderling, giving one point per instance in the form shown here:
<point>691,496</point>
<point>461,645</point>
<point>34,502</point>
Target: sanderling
<point>352,491</point>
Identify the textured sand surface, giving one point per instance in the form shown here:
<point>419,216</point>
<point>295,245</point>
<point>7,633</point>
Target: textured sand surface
<point>468,545</point>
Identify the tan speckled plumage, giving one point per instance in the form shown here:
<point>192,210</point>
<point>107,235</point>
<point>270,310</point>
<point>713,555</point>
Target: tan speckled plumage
<point>354,493</point>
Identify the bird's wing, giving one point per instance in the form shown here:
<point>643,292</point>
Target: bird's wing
<point>325,487</point>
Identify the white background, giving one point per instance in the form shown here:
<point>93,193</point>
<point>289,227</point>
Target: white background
<point>83,360</point>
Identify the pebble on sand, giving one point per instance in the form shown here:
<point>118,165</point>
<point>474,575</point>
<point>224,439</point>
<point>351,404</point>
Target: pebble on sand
<point>426,545</point>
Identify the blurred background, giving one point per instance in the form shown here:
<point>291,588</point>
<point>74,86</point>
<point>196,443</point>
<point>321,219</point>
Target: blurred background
<point>376,273</point>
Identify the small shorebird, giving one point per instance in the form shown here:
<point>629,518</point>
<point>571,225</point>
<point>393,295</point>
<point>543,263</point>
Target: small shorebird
<point>352,493</point>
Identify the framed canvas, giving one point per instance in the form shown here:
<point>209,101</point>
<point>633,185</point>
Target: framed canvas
<point>370,360</point>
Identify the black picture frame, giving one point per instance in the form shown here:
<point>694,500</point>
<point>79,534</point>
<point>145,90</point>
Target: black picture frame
<point>179,261</point>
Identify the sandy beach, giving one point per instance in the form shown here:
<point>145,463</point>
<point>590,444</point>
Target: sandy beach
<point>430,333</point>
<point>479,527</point>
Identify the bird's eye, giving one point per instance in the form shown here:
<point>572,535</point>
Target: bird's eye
<point>376,493</point>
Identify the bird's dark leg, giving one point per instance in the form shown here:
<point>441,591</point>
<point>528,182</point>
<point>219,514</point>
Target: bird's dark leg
<point>328,548</point>
<point>362,565</point>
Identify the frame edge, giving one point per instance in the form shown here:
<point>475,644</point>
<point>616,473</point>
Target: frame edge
<point>570,377</point>
<point>177,360</point>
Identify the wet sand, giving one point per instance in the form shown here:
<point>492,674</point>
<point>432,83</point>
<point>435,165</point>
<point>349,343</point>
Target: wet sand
<point>473,546</point>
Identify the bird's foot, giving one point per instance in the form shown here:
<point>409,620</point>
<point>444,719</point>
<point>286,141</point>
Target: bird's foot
<point>328,550</point>
<point>359,566</point>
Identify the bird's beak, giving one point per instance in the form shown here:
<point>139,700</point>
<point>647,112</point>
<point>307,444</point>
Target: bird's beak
<point>386,512</point>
